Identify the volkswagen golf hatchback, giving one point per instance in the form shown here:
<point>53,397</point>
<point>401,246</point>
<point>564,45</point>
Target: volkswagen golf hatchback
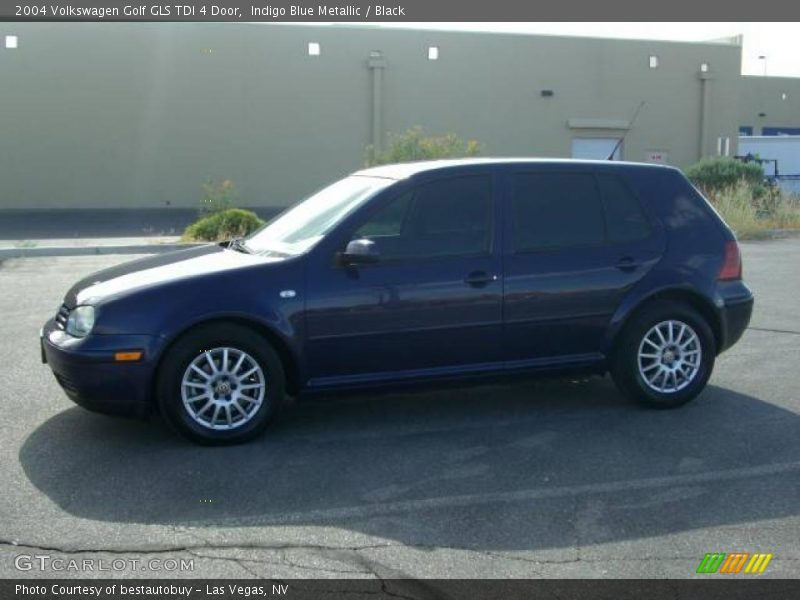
<point>409,274</point>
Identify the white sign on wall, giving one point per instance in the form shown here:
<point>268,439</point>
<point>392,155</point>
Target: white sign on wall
<point>656,156</point>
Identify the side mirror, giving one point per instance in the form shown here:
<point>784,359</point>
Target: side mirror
<point>360,252</point>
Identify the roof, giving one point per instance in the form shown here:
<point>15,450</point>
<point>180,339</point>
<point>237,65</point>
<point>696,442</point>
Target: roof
<point>406,170</point>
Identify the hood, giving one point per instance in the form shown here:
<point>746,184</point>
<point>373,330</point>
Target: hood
<point>158,269</point>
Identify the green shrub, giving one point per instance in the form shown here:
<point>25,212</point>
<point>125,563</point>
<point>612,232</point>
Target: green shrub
<point>719,173</point>
<point>217,196</point>
<point>222,225</point>
<point>415,145</point>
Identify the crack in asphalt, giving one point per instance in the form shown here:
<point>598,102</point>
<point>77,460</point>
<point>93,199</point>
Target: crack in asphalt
<point>196,550</point>
<point>373,566</point>
<point>284,560</point>
<point>349,554</point>
<point>770,330</point>
<point>205,543</point>
<point>190,547</point>
<point>363,561</point>
<point>282,552</point>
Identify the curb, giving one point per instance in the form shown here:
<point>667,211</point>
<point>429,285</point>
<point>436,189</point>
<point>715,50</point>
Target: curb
<point>91,250</point>
<point>777,234</point>
<point>772,235</point>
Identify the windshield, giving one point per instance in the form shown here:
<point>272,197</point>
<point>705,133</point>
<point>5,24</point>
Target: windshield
<point>299,228</point>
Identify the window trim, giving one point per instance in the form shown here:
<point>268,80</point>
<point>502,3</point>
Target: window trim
<point>414,186</point>
<point>561,247</point>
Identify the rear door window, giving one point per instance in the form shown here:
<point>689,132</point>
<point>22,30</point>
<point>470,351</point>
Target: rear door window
<point>555,210</point>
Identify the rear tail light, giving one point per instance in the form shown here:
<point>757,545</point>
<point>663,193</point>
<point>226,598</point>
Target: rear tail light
<point>732,263</point>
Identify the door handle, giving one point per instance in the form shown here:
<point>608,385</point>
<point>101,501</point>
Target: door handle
<point>479,278</point>
<point>628,263</point>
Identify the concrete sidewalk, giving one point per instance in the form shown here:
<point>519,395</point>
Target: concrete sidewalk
<point>88,246</point>
<point>68,232</point>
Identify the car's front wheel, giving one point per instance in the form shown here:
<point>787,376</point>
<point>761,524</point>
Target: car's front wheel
<point>220,384</point>
<point>665,355</point>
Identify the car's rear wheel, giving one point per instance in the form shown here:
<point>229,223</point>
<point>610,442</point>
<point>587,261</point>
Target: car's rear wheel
<point>665,355</point>
<point>220,384</point>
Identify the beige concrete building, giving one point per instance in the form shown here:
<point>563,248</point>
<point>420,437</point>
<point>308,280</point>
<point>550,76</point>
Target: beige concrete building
<point>124,115</point>
<point>769,106</point>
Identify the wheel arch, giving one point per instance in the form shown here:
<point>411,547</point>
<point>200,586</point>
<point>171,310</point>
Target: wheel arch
<point>689,297</point>
<point>288,359</point>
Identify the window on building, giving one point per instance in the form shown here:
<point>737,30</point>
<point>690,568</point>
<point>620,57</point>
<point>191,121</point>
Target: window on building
<point>653,61</point>
<point>314,49</point>
<point>625,220</point>
<point>433,53</point>
<point>444,218</point>
<point>11,41</point>
<point>553,210</point>
<point>780,131</point>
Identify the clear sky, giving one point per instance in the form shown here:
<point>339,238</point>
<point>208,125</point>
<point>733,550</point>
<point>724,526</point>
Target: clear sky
<point>778,42</point>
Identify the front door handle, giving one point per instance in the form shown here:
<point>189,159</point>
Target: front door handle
<point>479,278</point>
<point>628,263</point>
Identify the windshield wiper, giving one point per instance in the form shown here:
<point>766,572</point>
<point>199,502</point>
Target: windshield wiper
<point>239,245</point>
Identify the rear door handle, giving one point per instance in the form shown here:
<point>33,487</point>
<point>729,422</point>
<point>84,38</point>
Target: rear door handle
<point>479,278</point>
<point>628,263</point>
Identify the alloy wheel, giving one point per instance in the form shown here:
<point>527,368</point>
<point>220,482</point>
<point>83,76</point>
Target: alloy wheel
<point>223,388</point>
<point>669,356</point>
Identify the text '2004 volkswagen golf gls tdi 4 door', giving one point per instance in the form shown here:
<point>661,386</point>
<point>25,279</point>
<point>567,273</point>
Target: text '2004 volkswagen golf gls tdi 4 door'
<point>410,273</point>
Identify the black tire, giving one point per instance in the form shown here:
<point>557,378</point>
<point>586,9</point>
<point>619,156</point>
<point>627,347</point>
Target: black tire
<point>178,359</point>
<point>625,359</point>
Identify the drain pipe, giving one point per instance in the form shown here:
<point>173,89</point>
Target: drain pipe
<point>705,77</point>
<point>376,64</point>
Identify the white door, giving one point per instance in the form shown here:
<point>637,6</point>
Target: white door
<point>596,148</point>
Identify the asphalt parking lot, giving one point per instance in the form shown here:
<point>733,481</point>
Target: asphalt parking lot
<point>549,479</point>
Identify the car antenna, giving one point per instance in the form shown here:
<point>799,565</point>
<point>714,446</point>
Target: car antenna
<point>630,126</point>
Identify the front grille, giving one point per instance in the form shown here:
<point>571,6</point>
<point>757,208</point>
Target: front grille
<point>61,316</point>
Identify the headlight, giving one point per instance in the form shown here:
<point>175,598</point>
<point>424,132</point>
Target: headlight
<point>80,321</point>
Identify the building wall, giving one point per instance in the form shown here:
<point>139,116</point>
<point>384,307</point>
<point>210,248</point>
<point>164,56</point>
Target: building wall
<point>138,115</point>
<point>771,103</point>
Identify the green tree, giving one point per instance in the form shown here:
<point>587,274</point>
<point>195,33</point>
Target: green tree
<point>414,144</point>
<point>217,196</point>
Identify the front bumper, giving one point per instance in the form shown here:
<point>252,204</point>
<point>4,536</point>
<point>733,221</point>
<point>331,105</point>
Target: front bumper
<point>86,370</point>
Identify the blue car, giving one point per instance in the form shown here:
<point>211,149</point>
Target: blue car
<point>410,274</point>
